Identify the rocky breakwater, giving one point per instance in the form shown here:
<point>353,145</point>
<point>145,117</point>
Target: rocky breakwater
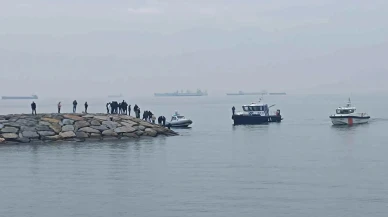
<point>75,127</point>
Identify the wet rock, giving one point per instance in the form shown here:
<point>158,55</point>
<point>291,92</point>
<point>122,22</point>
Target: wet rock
<point>111,124</point>
<point>67,134</point>
<point>89,130</point>
<point>150,132</point>
<point>67,128</point>
<point>73,117</point>
<point>139,133</point>
<point>67,122</point>
<point>95,123</point>
<point>56,128</point>
<point>23,128</point>
<point>100,128</point>
<point>23,140</point>
<point>9,130</point>
<point>9,136</point>
<point>52,138</point>
<point>81,124</point>
<point>109,133</point>
<point>46,133</point>
<point>30,135</point>
<point>125,129</point>
<point>82,135</point>
<point>95,135</point>
<point>50,120</point>
<point>131,135</point>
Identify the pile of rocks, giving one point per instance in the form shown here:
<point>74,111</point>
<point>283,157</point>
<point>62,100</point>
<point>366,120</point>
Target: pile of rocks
<point>75,127</point>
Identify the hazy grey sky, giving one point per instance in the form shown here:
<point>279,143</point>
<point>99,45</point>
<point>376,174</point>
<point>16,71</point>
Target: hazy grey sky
<point>101,47</point>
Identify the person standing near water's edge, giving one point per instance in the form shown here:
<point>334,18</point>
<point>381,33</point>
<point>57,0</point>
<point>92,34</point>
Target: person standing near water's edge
<point>33,108</point>
<point>75,106</point>
<point>129,110</point>
<point>59,107</point>
<point>86,107</point>
<point>233,109</point>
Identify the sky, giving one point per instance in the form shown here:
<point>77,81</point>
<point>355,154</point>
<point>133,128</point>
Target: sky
<point>138,47</point>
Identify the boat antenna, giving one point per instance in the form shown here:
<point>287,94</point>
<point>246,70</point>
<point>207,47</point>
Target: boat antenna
<point>349,102</point>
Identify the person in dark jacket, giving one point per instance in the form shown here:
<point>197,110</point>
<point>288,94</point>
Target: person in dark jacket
<point>233,109</point>
<point>107,107</point>
<point>129,110</point>
<point>75,106</point>
<point>86,107</point>
<point>33,108</point>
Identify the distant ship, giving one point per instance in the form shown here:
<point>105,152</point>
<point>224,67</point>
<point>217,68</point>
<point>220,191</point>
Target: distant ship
<point>19,97</point>
<point>187,93</point>
<point>240,93</point>
<point>278,93</point>
<point>114,96</point>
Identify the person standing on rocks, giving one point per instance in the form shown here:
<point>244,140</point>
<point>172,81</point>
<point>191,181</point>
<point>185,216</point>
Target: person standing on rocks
<point>59,107</point>
<point>86,107</point>
<point>135,108</point>
<point>129,110</point>
<point>75,106</point>
<point>153,118</point>
<point>107,107</point>
<point>33,108</point>
<point>233,109</point>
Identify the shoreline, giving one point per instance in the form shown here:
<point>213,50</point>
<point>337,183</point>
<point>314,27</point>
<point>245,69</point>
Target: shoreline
<point>28,128</point>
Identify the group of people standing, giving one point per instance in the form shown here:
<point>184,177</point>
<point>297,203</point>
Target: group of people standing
<point>118,108</point>
<point>148,116</point>
<point>75,103</point>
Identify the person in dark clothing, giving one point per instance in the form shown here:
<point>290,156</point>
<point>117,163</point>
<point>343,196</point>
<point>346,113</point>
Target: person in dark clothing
<point>129,110</point>
<point>149,116</point>
<point>135,109</point>
<point>120,108</point>
<point>164,120</point>
<point>33,108</point>
<point>75,106</point>
<point>138,112</point>
<point>145,115</point>
<point>160,120</point>
<point>107,107</point>
<point>233,109</point>
<point>124,106</point>
<point>86,107</point>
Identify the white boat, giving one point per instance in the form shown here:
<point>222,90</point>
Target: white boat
<point>178,120</point>
<point>347,116</point>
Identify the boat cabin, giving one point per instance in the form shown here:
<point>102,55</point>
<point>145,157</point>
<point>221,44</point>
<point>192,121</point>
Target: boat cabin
<point>345,110</point>
<point>256,109</point>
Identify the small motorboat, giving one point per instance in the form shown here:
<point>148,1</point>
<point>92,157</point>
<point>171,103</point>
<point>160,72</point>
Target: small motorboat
<point>347,116</point>
<point>256,113</point>
<point>178,120</point>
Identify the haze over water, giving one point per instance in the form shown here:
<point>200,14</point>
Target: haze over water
<point>301,167</point>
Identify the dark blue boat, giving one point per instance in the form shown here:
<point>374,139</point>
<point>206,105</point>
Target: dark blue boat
<point>256,113</point>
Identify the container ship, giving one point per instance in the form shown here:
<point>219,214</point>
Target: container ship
<point>241,93</point>
<point>282,93</point>
<point>19,97</point>
<point>187,93</point>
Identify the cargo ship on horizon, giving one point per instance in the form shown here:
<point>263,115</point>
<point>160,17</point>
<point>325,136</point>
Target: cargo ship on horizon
<point>187,93</point>
<point>19,97</point>
<point>241,93</point>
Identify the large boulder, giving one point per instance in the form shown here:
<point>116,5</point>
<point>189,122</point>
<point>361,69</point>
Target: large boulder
<point>73,117</point>
<point>140,127</point>
<point>44,123</point>
<point>88,116</point>
<point>95,135</point>
<point>52,138</point>
<point>100,128</point>
<point>101,118</point>
<point>9,136</point>
<point>27,122</point>
<point>67,122</point>
<point>125,129</point>
<point>81,124</point>
<point>95,123</point>
<point>46,133</point>
<point>67,134</point>
<point>128,124</point>
<point>67,128</point>
<point>30,134</point>
<point>139,133</point>
<point>146,124</point>
<point>88,130</point>
<point>131,135</point>
<point>111,124</point>
<point>42,128</point>
<point>150,132</point>
<point>56,128</point>
<point>82,135</point>
<point>110,132</point>
<point>9,130</point>
<point>24,128</point>
<point>50,120</point>
<point>12,124</point>
<point>23,140</point>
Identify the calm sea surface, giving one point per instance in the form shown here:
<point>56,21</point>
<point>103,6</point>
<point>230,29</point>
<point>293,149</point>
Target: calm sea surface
<point>301,167</point>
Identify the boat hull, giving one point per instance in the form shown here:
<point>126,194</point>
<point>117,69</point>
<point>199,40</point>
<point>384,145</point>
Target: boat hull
<point>183,123</point>
<point>255,119</point>
<point>349,120</point>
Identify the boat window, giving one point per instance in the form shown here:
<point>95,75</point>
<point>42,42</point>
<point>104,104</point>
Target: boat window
<point>173,118</point>
<point>245,108</point>
<point>181,117</point>
<point>345,111</point>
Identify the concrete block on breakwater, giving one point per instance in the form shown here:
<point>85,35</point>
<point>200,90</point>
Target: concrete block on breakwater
<point>22,128</point>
